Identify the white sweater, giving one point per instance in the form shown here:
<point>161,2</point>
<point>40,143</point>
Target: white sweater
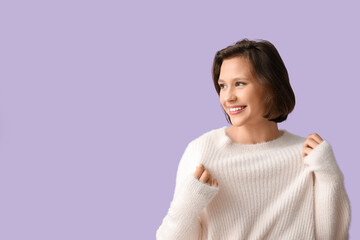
<point>266,191</point>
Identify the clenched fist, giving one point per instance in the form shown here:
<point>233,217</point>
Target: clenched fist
<point>310,143</point>
<point>204,176</point>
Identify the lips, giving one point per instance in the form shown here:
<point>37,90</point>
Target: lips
<point>236,106</point>
<point>237,111</point>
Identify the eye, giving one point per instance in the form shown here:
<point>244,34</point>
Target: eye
<point>221,85</point>
<point>241,83</point>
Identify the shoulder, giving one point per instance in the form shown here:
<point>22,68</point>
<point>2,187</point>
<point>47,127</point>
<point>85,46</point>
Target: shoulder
<point>198,148</point>
<point>291,140</point>
<point>211,137</point>
<point>294,138</point>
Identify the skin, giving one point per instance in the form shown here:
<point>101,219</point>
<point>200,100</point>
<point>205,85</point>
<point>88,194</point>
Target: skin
<point>239,86</point>
<point>310,143</point>
<point>203,175</point>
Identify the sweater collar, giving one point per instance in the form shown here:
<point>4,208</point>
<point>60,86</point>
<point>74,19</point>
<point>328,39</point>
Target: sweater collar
<point>282,140</point>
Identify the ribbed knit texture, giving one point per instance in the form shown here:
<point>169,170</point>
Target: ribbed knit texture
<point>266,191</point>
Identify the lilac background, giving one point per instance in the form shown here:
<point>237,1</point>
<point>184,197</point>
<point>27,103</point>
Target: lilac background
<point>99,99</point>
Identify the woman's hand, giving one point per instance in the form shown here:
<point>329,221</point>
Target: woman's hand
<point>204,176</point>
<point>310,143</point>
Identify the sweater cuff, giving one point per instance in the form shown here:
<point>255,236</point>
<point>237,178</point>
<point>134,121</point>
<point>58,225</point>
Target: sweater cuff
<point>194,196</point>
<point>322,161</point>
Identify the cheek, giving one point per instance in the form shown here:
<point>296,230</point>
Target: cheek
<point>221,97</point>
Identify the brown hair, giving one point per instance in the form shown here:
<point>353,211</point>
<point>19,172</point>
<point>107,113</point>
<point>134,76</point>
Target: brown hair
<point>269,70</point>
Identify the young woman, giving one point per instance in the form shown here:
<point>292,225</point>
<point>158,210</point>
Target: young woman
<point>252,180</point>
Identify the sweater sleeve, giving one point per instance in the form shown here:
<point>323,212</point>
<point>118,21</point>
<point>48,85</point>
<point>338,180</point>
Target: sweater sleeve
<point>331,203</point>
<point>183,219</point>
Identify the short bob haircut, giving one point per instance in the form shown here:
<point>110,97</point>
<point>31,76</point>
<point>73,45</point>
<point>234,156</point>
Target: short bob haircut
<point>268,69</point>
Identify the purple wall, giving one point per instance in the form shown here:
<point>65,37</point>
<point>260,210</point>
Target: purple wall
<point>98,100</point>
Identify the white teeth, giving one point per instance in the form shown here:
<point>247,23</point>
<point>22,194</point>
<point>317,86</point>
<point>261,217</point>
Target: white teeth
<point>235,109</point>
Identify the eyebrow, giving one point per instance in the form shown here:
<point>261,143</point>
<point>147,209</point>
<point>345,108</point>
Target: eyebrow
<point>234,79</point>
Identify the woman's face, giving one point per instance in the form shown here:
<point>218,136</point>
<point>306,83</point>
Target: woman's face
<point>238,87</point>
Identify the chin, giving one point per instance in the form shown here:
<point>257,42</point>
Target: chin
<point>237,123</point>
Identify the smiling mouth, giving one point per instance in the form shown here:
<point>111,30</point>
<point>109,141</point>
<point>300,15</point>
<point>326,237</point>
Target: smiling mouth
<point>234,111</point>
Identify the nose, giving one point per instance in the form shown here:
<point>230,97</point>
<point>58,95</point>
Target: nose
<point>230,95</point>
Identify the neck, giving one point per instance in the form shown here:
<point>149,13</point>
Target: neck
<point>254,134</point>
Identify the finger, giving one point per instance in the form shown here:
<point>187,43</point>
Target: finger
<point>303,154</point>
<point>215,183</point>
<point>209,181</point>
<point>205,176</point>
<point>199,170</point>
<point>316,137</point>
<point>306,151</point>
<point>310,142</point>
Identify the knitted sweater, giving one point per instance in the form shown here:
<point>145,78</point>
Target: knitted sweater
<point>266,191</point>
